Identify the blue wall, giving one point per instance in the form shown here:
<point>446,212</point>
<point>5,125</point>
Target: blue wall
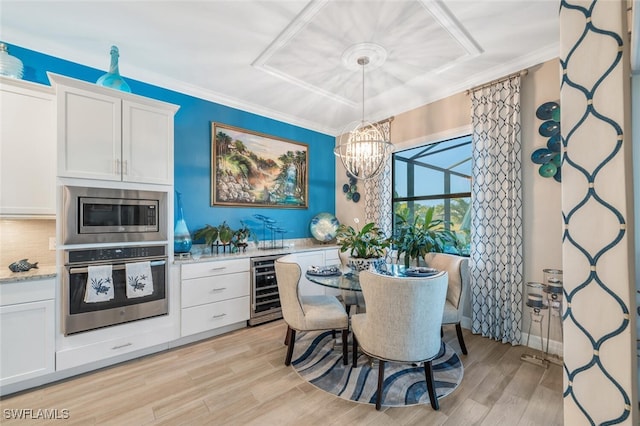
<point>193,149</point>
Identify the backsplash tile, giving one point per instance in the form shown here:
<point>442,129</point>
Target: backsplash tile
<point>27,238</point>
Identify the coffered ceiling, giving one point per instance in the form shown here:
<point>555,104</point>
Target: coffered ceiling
<point>295,60</point>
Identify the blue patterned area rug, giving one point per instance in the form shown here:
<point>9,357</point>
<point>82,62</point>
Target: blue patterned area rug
<point>317,358</point>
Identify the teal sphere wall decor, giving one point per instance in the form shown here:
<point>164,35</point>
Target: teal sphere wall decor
<point>549,158</point>
<point>351,189</point>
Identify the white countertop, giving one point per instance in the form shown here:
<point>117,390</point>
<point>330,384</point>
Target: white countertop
<point>252,251</point>
<point>41,272</point>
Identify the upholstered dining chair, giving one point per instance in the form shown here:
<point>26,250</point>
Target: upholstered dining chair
<point>458,269</point>
<point>307,313</point>
<point>402,323</point>
<point>350,298</point>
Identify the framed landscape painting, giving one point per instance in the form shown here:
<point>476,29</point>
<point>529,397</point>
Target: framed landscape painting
<point>252,169</point>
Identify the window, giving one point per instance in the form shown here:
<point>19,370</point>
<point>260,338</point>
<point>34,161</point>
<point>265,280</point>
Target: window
<point>436,175</point>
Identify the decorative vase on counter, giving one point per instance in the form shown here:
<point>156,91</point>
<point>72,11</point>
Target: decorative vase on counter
<point>112,79</point>
<point>10,66</point>
<point>181,236</point>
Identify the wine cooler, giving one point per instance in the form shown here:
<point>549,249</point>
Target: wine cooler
<point>265,300</point>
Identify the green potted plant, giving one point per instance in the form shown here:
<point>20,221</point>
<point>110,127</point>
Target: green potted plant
<point>242,235</point>
<point>365,246</point>
<point>208,233</point>
<point>414,239</point>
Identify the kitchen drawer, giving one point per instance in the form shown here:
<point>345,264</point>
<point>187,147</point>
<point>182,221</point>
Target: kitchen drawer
<point>206,269</point>
<point>27,291</point>
<point>214,315</point>
<point>198,291</point>
<point>73,357</point>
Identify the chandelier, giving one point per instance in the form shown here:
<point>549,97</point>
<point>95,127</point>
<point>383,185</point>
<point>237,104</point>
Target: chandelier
<point>363,150</point>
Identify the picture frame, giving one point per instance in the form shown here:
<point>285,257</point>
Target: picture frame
<point>252,169</point>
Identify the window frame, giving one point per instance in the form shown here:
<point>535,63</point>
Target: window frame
<point>466,139</point>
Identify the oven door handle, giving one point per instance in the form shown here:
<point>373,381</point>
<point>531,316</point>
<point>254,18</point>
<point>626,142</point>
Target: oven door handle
<point>117,267</point>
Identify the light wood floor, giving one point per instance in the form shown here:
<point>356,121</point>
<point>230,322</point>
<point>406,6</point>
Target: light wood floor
<point>240,379</point>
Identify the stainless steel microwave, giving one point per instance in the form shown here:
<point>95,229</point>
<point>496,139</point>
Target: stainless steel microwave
<point>106,215</point>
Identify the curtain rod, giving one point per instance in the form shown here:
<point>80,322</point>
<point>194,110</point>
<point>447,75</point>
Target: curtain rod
<point>482,86</point>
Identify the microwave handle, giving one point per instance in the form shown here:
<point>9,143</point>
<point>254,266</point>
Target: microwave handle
<point>117,267</point>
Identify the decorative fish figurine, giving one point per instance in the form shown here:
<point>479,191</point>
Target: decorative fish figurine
<point>22,266</point>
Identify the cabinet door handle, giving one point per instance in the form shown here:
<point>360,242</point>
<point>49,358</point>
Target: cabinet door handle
<point>219,316</point>
<point>118,168</point>
<point>125,167</point>
<point>218,289</point>
<point>219,268</point>
<point>121,346</point>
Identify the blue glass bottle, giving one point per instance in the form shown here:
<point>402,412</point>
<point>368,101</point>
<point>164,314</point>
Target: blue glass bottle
<point>112,78</point>
<point>181,236</point>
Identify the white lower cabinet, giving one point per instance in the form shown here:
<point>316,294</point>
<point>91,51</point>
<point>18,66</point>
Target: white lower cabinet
<point>214,294</point>
<point>105,348</point>
<point>27,330</point>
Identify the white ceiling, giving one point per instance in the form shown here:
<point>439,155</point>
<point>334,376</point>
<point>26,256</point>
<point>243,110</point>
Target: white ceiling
<point>296,60</point>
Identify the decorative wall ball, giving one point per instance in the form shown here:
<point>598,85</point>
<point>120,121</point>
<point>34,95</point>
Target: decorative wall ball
<point>324,227</point>
<point>351,189</point>
<point>549,158</point>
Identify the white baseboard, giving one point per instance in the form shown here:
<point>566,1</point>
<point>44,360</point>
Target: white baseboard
<point>555,347</point>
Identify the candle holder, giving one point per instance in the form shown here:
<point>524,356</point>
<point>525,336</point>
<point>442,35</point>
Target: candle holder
<point>537,307</point>
<point>553,290</point>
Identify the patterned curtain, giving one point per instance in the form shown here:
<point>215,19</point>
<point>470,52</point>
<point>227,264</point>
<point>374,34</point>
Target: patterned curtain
<point>378,192</point>
<point>496,215</point>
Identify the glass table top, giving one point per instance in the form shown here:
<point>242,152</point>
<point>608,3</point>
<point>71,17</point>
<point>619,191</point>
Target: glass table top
<point>349,280</point>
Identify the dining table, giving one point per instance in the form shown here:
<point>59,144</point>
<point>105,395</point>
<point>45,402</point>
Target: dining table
<point>343,278</point>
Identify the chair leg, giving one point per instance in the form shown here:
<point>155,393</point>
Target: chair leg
<point>286,337</point>
<point>333,334</point>
<point>428,374</point>
<point>345,348</point>
<point>441,332</point>
<point>460,338</point>
<point>354,356</point>
<point>380,383</point>
<point>291,333</point>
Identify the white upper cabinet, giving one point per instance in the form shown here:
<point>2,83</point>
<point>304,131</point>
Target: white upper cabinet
<point>27,149</point>
<point>111,135</point>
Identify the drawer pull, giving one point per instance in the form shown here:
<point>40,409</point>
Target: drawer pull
<point>121,346</point>
<point>219,268</point>
<point>219,316</point>
<point>218,289</point>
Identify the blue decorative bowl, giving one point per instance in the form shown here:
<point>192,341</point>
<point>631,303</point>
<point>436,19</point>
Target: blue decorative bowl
<point>324,227</point>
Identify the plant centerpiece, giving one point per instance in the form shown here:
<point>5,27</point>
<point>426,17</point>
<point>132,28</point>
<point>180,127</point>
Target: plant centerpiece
<point>366,246</point>
<point>414,239</point>
<point>242,235</point>
<point>224,236</point>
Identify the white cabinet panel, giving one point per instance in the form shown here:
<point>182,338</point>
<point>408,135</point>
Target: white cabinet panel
<point>214,294</point>
<point>111,135</point>
<point>199,291</point>
<point>205,269</point>
<point>27,330</point>
<point>27,149</point>
<point>214,315</point>
<point>147,143</point>
<point>89,124</point>
<point>104,349</point>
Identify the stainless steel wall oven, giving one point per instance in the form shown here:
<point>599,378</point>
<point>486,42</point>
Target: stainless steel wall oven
<point>90,303</point>
<point>110,215</point>
<point>265,299</point>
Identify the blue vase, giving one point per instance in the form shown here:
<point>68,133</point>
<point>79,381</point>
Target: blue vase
<point>112,79</point>
<point>181,236</point>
